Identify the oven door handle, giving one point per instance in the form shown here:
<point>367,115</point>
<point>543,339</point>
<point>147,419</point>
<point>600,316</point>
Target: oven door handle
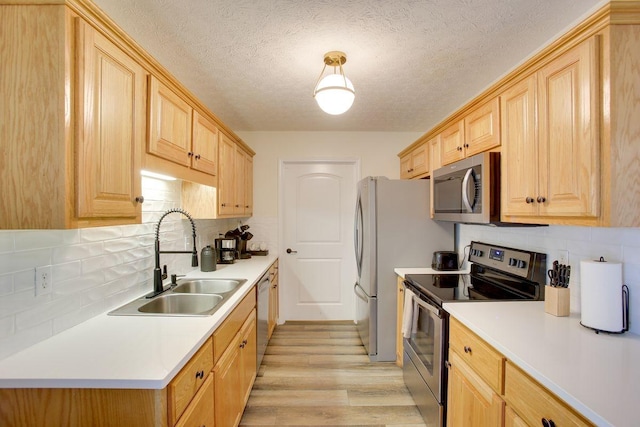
<point>427,306</point>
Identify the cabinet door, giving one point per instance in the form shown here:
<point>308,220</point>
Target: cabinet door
<point>511,419</point>
<point>200,412</point>
<point>227,385</point>
<point>226,189</point>
<point>205,145</point>
<point>405,166</point>
<point>435,152</point>
<point>170,119</point>
<point>471,402</point>
<point>111,111</point>
<point>519,163</point>
<point>248,185</point>
<point>569,135</point>
<point>248,357</point>
<point>239,178</point>
<point>420,160</point>
<point>451,143</point>
<point>482,128</point>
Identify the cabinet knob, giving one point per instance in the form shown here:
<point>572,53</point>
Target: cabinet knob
<point>200,374</point>
<point>224,205</point>
<point>237,206</point>
<point>197,156</point>
<point>242,345</point>
<point>548,423</point>
<point>541,199</point>
<point>529,200</point>
<point>467,349</point>
<point>190,154</point>
<point>459,148</point>
<point>466,145</point>
<point>139,199</point>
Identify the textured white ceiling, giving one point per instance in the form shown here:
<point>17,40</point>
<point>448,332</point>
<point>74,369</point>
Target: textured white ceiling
<point>254,63</point>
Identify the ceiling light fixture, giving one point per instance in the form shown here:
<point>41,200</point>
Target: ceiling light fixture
<point>334,93</point>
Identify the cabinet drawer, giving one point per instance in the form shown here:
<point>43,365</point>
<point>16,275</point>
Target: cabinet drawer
<point>185,385</point>
<point>479,355</point>
<point>532,402</point>
<point>200,411</point>
<point>229,328</point>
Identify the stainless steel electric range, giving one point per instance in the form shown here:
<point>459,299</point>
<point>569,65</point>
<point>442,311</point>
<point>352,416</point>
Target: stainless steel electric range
<point>497,273</point>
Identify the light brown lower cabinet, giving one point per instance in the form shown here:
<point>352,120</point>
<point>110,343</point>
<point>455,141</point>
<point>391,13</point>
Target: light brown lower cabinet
<point>201,411</point>
<point>486,389</point>
<point>471,401</point>
<point>234,375</point>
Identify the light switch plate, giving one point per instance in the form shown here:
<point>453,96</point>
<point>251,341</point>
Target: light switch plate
<point>42,280</point>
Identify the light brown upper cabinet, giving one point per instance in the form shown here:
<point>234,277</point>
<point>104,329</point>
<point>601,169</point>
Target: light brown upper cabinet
<point>73,125</point>
<point>180,134</point>
<point>235,182</point>
<point>553,169</point>
<point>415,164</point>
<point>111,89</point>
<point>452,143</point>
<point>477,132</point>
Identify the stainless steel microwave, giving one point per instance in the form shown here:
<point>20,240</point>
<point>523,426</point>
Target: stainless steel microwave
<point>468,191</point>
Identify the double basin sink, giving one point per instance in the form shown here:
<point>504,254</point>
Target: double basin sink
<point>190,297</point>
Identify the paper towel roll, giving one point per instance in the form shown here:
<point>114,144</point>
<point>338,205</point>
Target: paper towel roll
<point>601,295</point>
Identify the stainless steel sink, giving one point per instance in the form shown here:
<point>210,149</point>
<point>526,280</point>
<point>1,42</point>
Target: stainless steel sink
<point>208,286</point>
<point>191,297</point>
<point>185,304</point>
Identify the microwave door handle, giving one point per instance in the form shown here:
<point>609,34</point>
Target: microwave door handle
<point>465,194</point>
<point>428,306</point>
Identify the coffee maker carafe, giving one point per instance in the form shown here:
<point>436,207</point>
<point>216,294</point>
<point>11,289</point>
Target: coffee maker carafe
<point>226,250</point>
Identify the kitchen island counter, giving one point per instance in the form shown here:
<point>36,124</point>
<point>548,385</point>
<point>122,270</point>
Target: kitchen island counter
<point>127,352</point>
<point>597,374</point>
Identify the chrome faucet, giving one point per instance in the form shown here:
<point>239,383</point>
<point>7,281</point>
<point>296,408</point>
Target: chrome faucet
<point>158,288</point>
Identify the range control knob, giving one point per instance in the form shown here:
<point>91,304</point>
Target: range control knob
<point>476,252</point>
<point>522,264</point>
<point>513,262</point>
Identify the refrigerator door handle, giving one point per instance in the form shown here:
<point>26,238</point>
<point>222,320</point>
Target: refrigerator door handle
<point>357,286</point>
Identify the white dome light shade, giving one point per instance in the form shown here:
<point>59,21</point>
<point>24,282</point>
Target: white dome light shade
<point>333,96</point>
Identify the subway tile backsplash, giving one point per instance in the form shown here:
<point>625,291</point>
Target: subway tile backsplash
<point>93,269</point>
<point>582,243</point>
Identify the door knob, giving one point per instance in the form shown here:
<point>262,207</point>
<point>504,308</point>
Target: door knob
<point>289,251</point>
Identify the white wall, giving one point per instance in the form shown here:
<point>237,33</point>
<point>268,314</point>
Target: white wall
<point>583,243</point>
<point>93,269</point>
<point>377,152</point>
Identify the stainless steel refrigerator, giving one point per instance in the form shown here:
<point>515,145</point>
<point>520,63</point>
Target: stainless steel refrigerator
<point>392,229</point>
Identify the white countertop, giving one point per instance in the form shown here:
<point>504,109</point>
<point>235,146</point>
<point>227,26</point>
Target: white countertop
<point>143,352</point>
<point>597,374</point>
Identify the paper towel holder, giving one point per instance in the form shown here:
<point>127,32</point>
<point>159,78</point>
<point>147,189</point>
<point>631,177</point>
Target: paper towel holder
<point>625,310</point>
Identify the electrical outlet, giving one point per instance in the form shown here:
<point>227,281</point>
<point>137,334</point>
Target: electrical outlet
<point>563,257</point>
<point>42,280</point>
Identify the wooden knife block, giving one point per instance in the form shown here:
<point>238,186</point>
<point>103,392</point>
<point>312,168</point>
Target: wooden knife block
<point>556,301</point>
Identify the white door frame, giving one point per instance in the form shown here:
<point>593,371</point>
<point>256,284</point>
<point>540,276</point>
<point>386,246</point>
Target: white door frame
<point>281,164</point>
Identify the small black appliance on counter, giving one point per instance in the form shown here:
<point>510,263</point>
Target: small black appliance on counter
<point>445,261</point>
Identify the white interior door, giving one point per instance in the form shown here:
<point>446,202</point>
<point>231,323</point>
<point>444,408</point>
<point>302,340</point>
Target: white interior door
<point>317,263</point>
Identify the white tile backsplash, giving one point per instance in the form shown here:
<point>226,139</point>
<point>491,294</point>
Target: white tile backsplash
<point>93,269</point>
<point>583,243</point>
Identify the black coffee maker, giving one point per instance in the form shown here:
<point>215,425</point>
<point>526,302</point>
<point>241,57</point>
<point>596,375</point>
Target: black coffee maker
<point>226,250</point>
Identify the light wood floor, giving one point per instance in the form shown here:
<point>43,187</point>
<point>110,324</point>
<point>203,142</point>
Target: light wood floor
<point>318,374</point>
